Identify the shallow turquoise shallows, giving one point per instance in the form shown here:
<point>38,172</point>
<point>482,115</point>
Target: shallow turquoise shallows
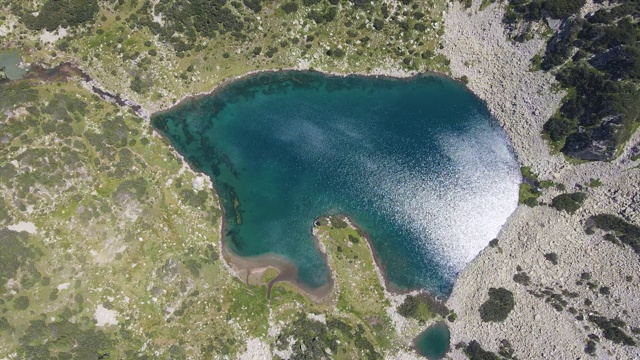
<point>416,163</point>
<point>9,60</point>
<point>433,343</point>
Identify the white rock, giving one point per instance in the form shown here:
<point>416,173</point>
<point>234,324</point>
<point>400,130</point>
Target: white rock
<point>104,316</point>
<point>63,286</point>
<point>198,183</point>
<point>23,226</point>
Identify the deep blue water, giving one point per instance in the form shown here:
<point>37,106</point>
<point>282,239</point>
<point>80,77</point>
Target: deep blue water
<point>417,163</point>
<point>433,343</point>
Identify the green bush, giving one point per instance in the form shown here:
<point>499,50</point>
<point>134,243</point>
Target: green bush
<point>498,306</point>
<point>53,295</point>
<point>211,255</point>
<point>21,303</point>
<point>15,253</point>
<point>590,348</point>
<point>557,128</point>
<point>467,3</point>
<point>138,85</point>
<point>612,330</point>
<point>133,189</point>
<point>65,13</point>
<point>528,174</point>
<point>452,316</point>
<point>627,233</point>
<point>560,9</point>
<point>568,202</point>
<point>255,5</point>
<point>474,351</point>
<point>522,278</point>
<point>599,61</point>
<point>552,257</point>
<point>324,17</point>
<point>63,339</point>
<point>427,54</point>
<point>4,324</point>
<point>378,24</point>
<point>290,7</point>
<point>359,3</point>
<point>595,182</point>
<point>506,350</point>
<point>315,340</point>
<point>422,307</point>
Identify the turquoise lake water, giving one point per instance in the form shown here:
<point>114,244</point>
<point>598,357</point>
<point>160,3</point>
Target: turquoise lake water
<point>9,60</point>
<point>433,343</point>
<point>417,163</point>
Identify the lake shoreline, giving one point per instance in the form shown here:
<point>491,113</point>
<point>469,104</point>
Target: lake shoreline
<point>243,266</point>
<point>234,262</point>
<point>392,75</point>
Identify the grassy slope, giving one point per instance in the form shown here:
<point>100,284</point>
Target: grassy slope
<point>98,50</point>
<point>115,227</point>
<point>122,234</point>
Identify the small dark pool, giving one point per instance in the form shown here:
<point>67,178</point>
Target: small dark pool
<point>433,343</point>
<point>9,61</point>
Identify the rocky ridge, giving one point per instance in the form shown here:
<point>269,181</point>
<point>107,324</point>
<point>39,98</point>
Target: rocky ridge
<point>550,299</point>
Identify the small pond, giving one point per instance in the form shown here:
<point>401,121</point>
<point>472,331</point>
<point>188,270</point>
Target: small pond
<point>433,343</point>
<point>9,60</point>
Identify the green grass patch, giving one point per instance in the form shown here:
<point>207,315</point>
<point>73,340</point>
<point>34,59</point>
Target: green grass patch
<point>484,4</point>
<point>528,174</point>
<point>528,195</point>
<point>594,183</point>
<point>250,305</point>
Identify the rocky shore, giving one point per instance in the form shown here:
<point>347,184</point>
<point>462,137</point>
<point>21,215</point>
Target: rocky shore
<point>522,100</point>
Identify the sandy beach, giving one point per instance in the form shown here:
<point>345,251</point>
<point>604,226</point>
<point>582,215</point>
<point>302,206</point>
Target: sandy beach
<point>244,267</point>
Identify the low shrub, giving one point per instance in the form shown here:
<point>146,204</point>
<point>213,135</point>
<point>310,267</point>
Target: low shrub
<point>569,202</point>
<point>552,257</point>
<point>498,306</point>
<point>289,7</point>
<point>422,307</point>
<point>21,303</point>
<point>522,278</point>
<point>612,329</point>
<point>626,233</point>
<point>474,351</point>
